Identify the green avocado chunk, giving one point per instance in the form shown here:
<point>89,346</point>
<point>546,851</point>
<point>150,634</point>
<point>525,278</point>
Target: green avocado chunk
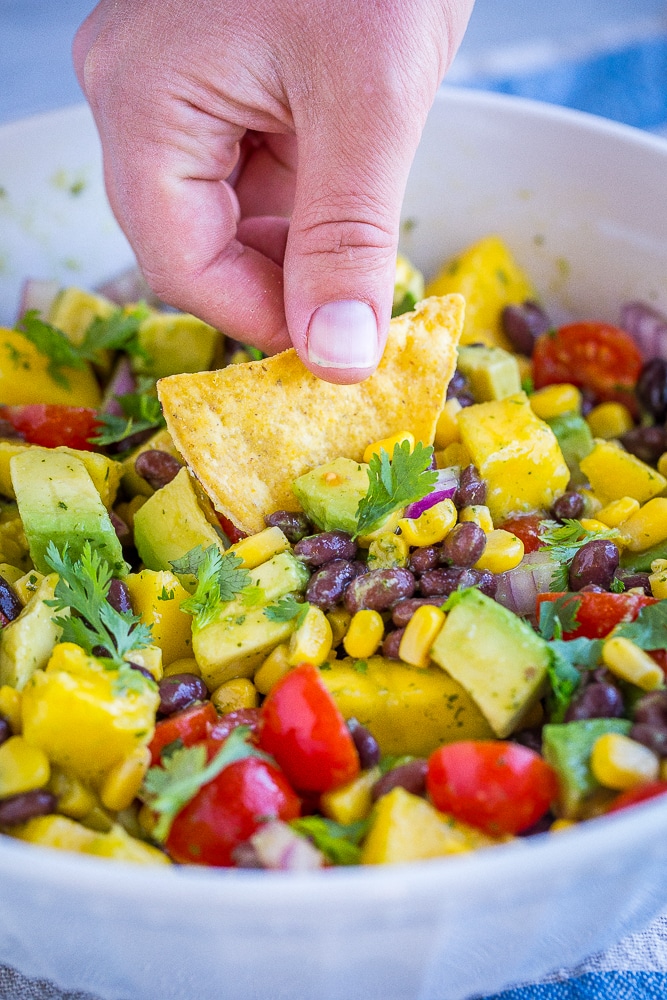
<point>576,441</point>
<point>492,372</point>
<point>330,494</point>
<point>640,562</point>
<point>498,658</point>
<point>567,747</point>
<point>59,502</point>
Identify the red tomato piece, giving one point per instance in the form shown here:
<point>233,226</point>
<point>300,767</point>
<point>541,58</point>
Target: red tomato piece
<point>635,795</point>
<point>660,657</point>
<point>301,726</point>
<point>223,726</point>
<point>189,726</point>
<point>499,787</point>
<point>53,424</point>
<point>527,528</point>
<point>233,533</point>
<point>598,614</point>
<point>595,356</point>
<point>228,810</point>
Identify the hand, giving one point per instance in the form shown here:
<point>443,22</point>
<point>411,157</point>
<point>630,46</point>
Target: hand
<point>201,108</point>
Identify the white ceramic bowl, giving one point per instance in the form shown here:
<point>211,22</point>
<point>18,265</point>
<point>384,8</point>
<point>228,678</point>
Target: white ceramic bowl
<point>582,203</point>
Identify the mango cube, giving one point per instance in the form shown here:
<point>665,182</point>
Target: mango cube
<point>614,473</point>
<point>156,597</point>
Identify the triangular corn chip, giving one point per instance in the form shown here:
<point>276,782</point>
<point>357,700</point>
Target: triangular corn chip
<point>249,430</point>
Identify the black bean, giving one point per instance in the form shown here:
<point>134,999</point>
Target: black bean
<point>523,323</point>
<point>652,388</point>
<point>464,544</point>
<point>7,430</point>
<point>316,550</point>
<point>597,700</point>
<point>179,691</point>
<point>653,737</point>
<point>366,744</point>
<point>652,708</point>
<point>328,584</point>
<point>457,383</point>
<point>595,562</point>
<point>5,729</point>
<point>10,606</point>
<point>410,776</point>
<point>402,612</point>
<point>646,443</point>
<point>118,596</point>
<point>379,589</point>
<point>570,504</point>
<point>122,530</point>
<point>391,643</point>
<point>531,738</point>
<point>632,580</point>
<point>471,490</point>
<point>157,467</point>
<point>446,581</point>
<point>294,525</point>
<point>20,808</point>
<point>424,558</point>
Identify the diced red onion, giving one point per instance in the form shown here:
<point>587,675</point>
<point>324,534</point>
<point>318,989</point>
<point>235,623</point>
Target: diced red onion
<point>38,294</point>
<point>444,488</point>
<point>121,383</point>
<point>647,327</point>
<point>517,589</point>
<point>280,847</point>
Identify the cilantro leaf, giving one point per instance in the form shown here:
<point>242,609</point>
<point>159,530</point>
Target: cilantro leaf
<point>83,587</point>
<point>394,484</point>
<point>117,332</point>
<point>220,577</point>
<point>649,629</point>
<point>617,586</point>
<point>559,616</point>
<point>287,608</point>
<point>338,842</point>
<point>564,541</point>
<point>169,788</point>
<point>52,343</point>
<point>141,412</point>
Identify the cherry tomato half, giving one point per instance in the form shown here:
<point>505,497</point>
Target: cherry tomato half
<point>301,726</point>
<point>228,810</point>
<point>640,794</point>
<point>499,787</point>
<point>233,533</point>
<point>527,528</point>
<point>598,614</point>
<point>189,726</point>
<point>595,356</point>
<point>53,424</point>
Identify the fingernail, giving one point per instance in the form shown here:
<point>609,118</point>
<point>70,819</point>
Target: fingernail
<point>343,335</point>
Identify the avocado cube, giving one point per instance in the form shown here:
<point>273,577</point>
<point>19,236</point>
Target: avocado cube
<point>330,494</point>
<point>175,343</point>
<point>74,309</point>
<point>27,643</point>
<point>567,747</point>
<point>495,656</point>
<point>576,441</point>
<point>58,503</point>
<point>492,372</point>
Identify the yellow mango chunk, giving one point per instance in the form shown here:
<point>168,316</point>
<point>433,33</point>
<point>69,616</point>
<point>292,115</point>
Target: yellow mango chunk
<point>156,597</point>
<point>67,835</point>
<point>614,473</point>
<point>104,724</point>
<point>24,376</point>
<point>516,453</point>
<point>488,278</point>
<point>408,828</point>
<point>351,802</point>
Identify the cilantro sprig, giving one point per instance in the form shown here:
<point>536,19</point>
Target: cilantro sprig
<point>339,842</point>
<point>394,483</point>
<point>649,629</point>
<point>220,577</point>
<point>169,788</point>
<point>563,541</point>
<point>287,608</point>
<point>141,412</point>
<point>82,587</point>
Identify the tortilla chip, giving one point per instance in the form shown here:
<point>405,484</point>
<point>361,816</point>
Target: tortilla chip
<point>249,430</point>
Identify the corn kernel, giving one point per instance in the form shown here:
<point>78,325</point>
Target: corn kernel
<point>364,635</point>
<point>479,515</point>
<point>626,660</point>
<point>609,420</point>
<point>22,767</point>
<point>234,695</point>
<point>339,619</point>
<point>275,666</point>
<point>122,783</point>
<point>662,464</point>
<point>311,641</point>
<point>388,550</point>
<point>620,763</point>
<point>447,428</point>
<point>503,551</point>
<point>75,799</point>
<point>618,511</point>
<point>658,583</point>
<point>188,665</point>
<point>648,526</point>
<point>559,825</point>
<point>389,524</point>
<point>455,453</point>
<point>659,566</point>
<point>10,707</point>
<point>388,444</point>
<point>420,634</point>
<point>554,400</point>
<point>430,527</point>
<point>352,802</point>
<point>257,549</point>
<point>593,524</point>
